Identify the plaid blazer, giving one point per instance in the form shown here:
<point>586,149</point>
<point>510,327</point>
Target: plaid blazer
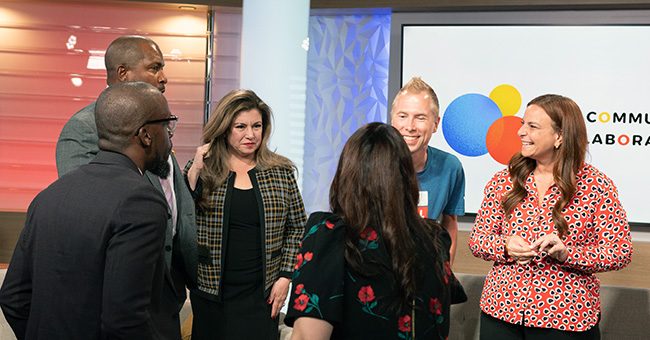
<point>282,215</point>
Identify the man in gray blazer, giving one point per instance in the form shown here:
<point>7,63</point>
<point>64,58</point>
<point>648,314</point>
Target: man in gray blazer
<point>127,59</point>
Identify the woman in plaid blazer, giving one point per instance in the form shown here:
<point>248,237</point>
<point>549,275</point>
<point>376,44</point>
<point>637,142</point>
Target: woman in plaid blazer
<point>250,220</point>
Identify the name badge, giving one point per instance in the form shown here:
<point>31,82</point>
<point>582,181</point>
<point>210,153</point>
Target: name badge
<point>423,204</point>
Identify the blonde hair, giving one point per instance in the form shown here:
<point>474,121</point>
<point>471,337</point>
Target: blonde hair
<point>416,85</point>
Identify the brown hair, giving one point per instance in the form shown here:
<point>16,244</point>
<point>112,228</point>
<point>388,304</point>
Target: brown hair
<point>217,130</point>
<point>568,157</point>
<point>375,185</point>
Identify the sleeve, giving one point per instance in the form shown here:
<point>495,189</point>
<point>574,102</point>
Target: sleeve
<point>77,145</point>
<point>456,204</point>
<point>445,240</point>
<point>611,248</point>
<point>487,240</point>
<point>186,247</point>
<point>293,229</point>
<point>196,193</point>
<point>133,256</point>
<point>321,256</point>
<point>457,292</point>
<point>438,232</point>
<point>16,292</point>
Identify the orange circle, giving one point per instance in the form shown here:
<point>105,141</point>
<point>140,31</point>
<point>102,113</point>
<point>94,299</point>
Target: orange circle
<point>502,140</point>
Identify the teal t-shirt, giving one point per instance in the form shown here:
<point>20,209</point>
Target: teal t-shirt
<point>442,185</point>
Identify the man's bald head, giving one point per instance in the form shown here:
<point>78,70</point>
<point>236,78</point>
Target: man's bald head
<point>135,58</point>
<point>122,109</point>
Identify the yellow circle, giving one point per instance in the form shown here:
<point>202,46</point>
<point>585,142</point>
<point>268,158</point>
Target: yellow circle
<point>507,99</point>
<point>605,114</point>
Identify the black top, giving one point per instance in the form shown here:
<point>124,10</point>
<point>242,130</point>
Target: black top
<point>358,306</point>
<point>243,261</point>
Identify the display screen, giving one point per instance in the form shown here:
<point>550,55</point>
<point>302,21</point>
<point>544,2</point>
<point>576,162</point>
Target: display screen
<point>485,75</point>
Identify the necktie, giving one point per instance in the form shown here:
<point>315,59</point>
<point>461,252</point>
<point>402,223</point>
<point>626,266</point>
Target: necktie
<point>169,195</point>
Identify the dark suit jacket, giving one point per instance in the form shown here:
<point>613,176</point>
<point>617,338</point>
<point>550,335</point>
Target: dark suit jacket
<point>77,145</point>
<point>89,262</point>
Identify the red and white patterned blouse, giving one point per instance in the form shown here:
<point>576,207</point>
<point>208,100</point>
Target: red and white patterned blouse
<point>545,293</point>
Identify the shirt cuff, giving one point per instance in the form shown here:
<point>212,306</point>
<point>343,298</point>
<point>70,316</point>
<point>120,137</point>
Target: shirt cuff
<point>286,275</point>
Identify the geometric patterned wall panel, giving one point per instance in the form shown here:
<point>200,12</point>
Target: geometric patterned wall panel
<point>347,85</point>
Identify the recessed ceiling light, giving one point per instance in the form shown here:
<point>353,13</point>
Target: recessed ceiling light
<point>76,81</point>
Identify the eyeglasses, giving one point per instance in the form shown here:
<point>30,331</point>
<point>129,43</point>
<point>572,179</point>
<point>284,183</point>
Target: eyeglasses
<point>170,124</point>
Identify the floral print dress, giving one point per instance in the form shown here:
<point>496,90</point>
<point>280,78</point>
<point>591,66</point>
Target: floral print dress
<point>359,306</point>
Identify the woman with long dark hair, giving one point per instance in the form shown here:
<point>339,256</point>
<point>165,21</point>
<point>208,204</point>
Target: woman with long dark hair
<point>548,222</point>
<point>372,268</point>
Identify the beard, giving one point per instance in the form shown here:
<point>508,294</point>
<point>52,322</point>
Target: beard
<point>160,167</point>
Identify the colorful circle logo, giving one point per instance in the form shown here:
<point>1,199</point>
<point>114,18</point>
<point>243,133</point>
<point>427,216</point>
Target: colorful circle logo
<point>474,124</point>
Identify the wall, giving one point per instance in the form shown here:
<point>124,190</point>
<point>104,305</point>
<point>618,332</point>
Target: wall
<point>447,5</point>
<point>332,63</point>
<point>347,80</point>
<point>226,54</point>
<point>52,66</point>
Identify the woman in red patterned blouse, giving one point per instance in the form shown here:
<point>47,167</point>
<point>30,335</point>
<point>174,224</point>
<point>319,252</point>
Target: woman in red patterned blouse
<point>548,222</point>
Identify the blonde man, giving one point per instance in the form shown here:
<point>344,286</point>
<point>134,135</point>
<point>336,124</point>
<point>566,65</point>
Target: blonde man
<point>440,174</point>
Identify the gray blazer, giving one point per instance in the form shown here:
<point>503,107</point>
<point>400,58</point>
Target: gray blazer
<point>77,145</point>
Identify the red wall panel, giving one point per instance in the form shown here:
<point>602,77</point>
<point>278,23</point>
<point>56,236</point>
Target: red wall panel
<point>37,93</point>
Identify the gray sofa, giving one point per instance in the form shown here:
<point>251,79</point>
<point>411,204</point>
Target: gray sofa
<point>625,313</point>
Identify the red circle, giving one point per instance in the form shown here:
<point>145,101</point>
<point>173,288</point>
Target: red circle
<point>620,138</point>
<point>502,140</point>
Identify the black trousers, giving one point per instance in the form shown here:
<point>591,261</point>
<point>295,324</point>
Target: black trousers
<point>495,329</point>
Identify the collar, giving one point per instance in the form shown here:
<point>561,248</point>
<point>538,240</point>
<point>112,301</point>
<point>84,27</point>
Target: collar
<point>115,158</point>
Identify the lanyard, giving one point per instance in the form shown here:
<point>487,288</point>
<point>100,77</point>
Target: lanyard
<point>413,320</point>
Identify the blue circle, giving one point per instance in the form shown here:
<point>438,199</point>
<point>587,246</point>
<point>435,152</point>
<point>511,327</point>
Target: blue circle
<point>466,122</point>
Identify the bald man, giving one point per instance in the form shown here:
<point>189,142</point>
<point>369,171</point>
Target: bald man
<point>89,262</point>
<point>127,59</point>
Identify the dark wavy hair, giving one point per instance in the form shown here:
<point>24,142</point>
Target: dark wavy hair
<point>375,185</point>
<point>568,157</point>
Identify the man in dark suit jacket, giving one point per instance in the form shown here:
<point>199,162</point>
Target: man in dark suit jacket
<point>136,58</point>
<point>89,262</point>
